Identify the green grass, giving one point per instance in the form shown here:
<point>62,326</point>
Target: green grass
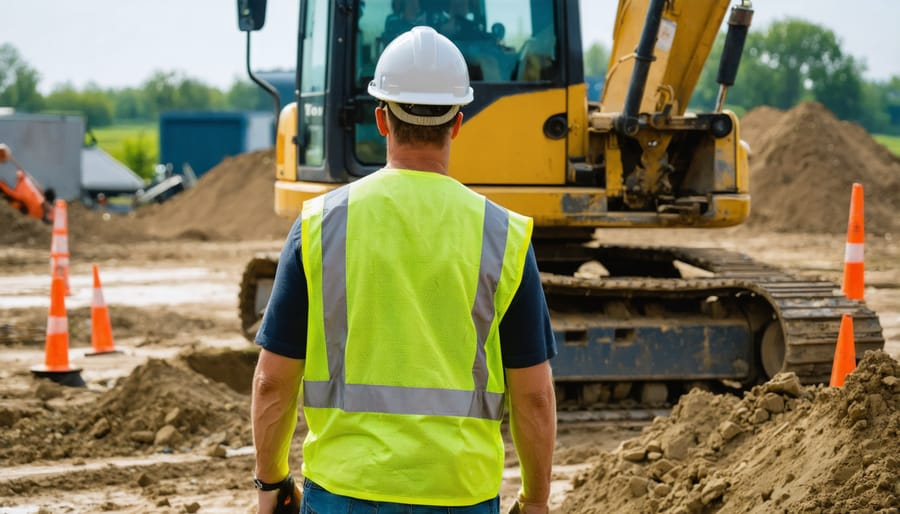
<point>111,139</point>
<point>891,142</point>
<point>144,145</point>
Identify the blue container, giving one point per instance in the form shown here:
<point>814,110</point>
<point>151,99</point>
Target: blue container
<point>594,87</point>
<point>202,139</point>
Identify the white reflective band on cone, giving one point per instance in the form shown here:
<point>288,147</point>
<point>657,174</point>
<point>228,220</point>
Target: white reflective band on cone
<point>97,298</point>
<point>57,325</point>
<point>60,244</point>
<point>59,222</point>
<point>853,252</point>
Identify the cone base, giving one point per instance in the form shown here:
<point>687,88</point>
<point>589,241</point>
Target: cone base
<point>71,378</point>
<point>102,352</point>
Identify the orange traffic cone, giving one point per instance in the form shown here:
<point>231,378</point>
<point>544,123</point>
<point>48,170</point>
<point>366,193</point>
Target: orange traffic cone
<point>844,353</point>
<point>56,348</point>
<point>101,327</point>
<point>853,253</point>
<point>59,244</point>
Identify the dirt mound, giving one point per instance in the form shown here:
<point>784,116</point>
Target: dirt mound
<point>802,167</point>
<point>234,200</point>
<point>782,448</point>
<point>22,230</point>
<point>85,227</point>
<point>233,368</point>
<point>160,406</point>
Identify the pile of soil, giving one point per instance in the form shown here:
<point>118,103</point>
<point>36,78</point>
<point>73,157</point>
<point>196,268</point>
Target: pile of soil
<point>803,164</point>
<point>162,406</point>
<point>234,200</point>
<point>783,447</point>
<point>158,326</point>
<point>22,230</point>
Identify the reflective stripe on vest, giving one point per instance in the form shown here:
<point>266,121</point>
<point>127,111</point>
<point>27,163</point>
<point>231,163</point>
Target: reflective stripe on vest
<point>336,393</point>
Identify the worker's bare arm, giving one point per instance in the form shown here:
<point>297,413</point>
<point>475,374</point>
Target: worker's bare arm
<point>533,428</point>
<point>276,385</point>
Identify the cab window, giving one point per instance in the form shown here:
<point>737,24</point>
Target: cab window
<point>503,41</point>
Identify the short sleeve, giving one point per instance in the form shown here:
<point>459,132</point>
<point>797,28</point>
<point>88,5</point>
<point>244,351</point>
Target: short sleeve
<point>283,327</point>
<point>526,337</point>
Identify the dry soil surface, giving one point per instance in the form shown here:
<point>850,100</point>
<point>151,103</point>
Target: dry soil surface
<point>162,425</point>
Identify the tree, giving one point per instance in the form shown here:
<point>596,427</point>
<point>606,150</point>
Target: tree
<point>194,95</point>
<point>840,89</point>
<point>93,103</point>
<point>596,60</point>
<point>161,92</point>
<point>18,81</point>
<point>794,61</point>
<point>881,106</point>
<point>165,91</point>
<point>245,95</point>
<point>130,105</point>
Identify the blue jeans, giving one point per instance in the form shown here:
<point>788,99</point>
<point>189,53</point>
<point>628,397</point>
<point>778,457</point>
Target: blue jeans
<point>319,501</point>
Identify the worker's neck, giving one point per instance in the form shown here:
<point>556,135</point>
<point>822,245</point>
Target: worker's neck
<point>419,157</point>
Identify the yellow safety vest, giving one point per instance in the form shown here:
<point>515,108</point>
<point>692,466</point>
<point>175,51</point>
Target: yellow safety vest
<point>409,274</point>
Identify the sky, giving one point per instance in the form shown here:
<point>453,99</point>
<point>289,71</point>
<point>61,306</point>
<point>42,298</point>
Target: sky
<point>121,43</point>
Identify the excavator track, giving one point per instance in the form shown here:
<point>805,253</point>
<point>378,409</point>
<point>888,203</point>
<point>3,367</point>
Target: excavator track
<point>798,333</point>
<point>256,286</point>
<point>773,320</point>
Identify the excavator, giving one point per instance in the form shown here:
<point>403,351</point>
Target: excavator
<point>651,321</point>
<point>27,196</point>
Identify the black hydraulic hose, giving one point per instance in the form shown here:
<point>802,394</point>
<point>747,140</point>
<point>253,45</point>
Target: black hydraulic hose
<point>264,84</point>
<point>628,122</point>
<point>738,26</point>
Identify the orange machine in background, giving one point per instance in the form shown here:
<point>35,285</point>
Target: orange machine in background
<point>26,196</point>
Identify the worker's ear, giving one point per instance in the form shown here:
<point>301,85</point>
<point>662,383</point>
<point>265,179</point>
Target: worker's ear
<point>456,125</point>
<point>381,121</point>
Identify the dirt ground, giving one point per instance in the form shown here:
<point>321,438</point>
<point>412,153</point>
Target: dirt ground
<point>181,363</point>
<point>162,425</point>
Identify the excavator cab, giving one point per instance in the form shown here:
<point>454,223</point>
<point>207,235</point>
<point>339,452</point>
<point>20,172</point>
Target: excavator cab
<point>530,141</point>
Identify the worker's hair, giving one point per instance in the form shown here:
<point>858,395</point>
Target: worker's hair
<point>407,133</point>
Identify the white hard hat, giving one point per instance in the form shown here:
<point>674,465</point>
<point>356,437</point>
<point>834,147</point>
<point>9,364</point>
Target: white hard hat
<point>422,67</point>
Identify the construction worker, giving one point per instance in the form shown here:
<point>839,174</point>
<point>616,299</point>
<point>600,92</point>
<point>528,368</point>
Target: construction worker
<point>410,309</point>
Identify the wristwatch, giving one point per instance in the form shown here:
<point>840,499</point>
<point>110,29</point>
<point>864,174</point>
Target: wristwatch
<point>267,486</point>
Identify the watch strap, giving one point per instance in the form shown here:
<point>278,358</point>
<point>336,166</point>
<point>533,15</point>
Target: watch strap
<point>271,486</point>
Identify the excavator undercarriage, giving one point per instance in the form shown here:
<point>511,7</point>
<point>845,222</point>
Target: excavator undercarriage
<point>640,325</point>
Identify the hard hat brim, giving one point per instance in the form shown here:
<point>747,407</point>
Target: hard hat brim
<point>421,98</point>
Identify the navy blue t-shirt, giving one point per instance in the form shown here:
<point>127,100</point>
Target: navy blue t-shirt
<point>526,338</point>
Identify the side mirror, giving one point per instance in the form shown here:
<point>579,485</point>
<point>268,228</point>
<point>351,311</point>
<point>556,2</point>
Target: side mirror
<point>251,14</point>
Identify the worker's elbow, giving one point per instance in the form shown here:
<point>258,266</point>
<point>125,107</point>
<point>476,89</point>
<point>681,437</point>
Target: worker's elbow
<point>541,400</point>
<point>267,384</point>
